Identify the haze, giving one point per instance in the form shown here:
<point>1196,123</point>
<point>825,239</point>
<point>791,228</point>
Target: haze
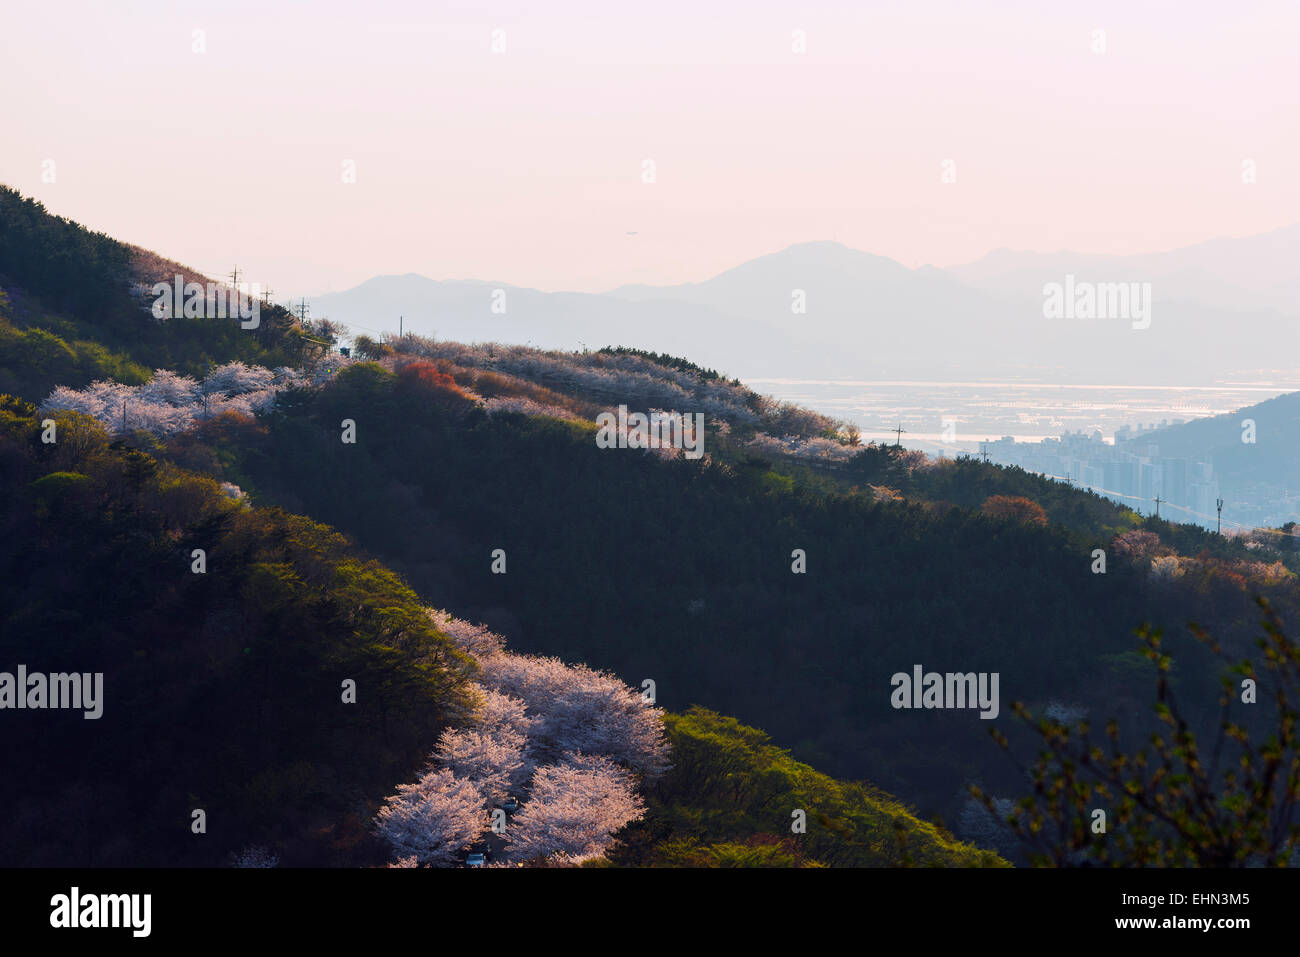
<point>526,166</point>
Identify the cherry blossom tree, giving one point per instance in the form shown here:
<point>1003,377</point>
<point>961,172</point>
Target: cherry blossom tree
<point>170,403</point>
<point>573,810</point>
<point>816,447</point>
<point>101,400</point>
<point>507,716</point>
<point>581,710</point>
<point>475,640</point>
<point>236,378</point>
<point>605,377</point>
<point>582,736</point>
<point>434,819</point>
<point>168,388</point>
<point>490,757</point>
<point>527,406</point>
<point>568,707</point>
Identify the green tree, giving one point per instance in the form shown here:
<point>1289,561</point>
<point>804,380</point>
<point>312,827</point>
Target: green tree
<point>1174,803</point>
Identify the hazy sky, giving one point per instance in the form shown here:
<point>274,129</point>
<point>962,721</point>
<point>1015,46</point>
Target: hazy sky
<point>526,166</point>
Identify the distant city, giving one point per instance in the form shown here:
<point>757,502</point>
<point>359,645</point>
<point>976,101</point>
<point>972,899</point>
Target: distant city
<point>1087,435</point>
<point>1131,470</point>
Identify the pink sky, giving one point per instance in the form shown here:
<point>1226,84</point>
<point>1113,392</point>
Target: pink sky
<point>526,166</point>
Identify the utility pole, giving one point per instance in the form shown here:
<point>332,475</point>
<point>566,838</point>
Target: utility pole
<point>234,285</point>
<point>1219,503</point>
<point>1158,501</point>
<point>898,441</point>
<point>984,452</point>
<point>303,311</point>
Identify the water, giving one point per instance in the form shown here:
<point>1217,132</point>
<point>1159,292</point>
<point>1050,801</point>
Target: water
<point>1029,411</point>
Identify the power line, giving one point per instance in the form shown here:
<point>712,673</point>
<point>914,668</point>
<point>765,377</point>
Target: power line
<point>1182,508</point>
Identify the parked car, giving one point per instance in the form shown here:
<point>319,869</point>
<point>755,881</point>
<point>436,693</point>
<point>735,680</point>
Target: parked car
<point>477,859</point>
<point>510,805</point>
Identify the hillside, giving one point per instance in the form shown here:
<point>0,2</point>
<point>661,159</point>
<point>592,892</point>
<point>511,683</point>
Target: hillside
<point>730,796</point>
<point>75,308</point>
<point>221,686</point>
<point>688,570</point>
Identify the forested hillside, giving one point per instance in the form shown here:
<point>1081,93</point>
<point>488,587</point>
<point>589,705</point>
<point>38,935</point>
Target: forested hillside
<point>225,634</point>
<point>74,307</point>
<point>681,572</point>
<point>222,680</point>
<point>730,791</point>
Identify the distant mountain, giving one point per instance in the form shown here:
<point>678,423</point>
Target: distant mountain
<point>856,312</point>
<point>1253,273</point>
<point>475,311</point>
<point>821,309</point>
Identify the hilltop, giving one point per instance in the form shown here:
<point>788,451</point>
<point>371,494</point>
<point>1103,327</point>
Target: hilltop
<point>75,308</point>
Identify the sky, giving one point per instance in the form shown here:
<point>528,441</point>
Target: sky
<point>583,145</point>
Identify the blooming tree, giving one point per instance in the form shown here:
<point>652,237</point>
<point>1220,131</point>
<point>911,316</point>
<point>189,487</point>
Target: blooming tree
<point>235,378</point>
<point>170,403</point>
<point>490,755</point>
<point>475,640</point>
<point>527,406</point>
<point>574,809</point>
<point>581,710</point>
<point>816,447</point>
<point>568,707</point>
<point>433,819</point>
<point>507,716</point>
<point>581,736</point>
<point>603,377</point>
